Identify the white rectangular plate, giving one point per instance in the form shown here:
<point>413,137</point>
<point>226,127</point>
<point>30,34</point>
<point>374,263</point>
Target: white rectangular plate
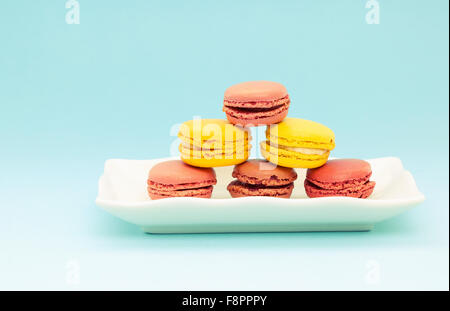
<point>123,193</point>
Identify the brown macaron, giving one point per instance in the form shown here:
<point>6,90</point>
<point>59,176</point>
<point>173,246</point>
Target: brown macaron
<point>262,178</point>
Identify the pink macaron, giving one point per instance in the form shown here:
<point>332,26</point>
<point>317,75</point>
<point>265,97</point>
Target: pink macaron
<point>341,177</point>
<point>256,103</point>
<point>262,178</point>
<point>177,179</point>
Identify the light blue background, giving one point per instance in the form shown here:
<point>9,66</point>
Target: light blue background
<point>72,96</point>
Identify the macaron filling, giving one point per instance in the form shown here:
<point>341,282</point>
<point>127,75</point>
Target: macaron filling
<point>226,139</point>
<point>228,147</point>
<point>302,150</point>
<point>356,183</point>
<point>257,104</point>
<point>183,186</point>
<point>188,151</point>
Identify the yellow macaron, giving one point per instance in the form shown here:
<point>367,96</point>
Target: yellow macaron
<point>298,143</point>
<point>213,142</point>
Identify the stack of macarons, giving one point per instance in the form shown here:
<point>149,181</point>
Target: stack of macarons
<point>290,143</point>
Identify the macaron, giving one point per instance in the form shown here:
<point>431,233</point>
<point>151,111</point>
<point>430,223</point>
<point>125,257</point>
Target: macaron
<point>262,178</point>
<point>298,143</point>
<point>176,179</point>
<point>341,177</point>
<point>256,103</point>
<point>213,142</point>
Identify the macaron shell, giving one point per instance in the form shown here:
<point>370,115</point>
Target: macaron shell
<point>175,172</point>
<point>214,162</point>
<point>210,130</point>
<point>261,172</point>
<point>156,194</point>
<point>210,144</point>
<point>292,159</point>
<point>360,191</point>
<point>293,132</point>
<point>340,171</point>
<point>255,91</point>
<point>238,189</point>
